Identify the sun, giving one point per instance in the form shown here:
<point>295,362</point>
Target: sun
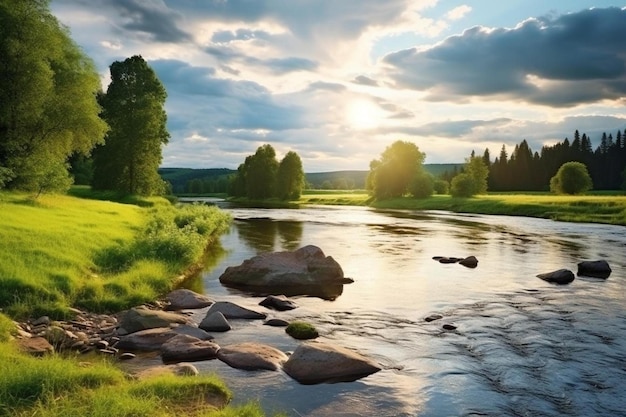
<point>363,114</point>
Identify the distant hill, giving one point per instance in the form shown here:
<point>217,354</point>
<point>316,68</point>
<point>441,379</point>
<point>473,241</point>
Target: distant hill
<point>216,178</point>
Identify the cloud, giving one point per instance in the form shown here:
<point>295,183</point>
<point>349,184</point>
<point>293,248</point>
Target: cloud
<point>458,12</point>
<point>566,61</point>
<point>363,80</point>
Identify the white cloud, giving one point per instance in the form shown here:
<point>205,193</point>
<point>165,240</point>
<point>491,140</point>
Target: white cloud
<point>458,12</point>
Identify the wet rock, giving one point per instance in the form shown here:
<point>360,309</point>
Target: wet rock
<point>433,317</point>
<point>192,331</point>
<point>446,260</point>
<point>215,322</point>
<point>469,262</point>
<point>183,299</point>
<point>306,271</point>
<point>449,326</point>
<point>276,323</point>
<point>188,348</point>
<point>140,318</point>
<point>36,346</point>
<point>252,356</point>
<point>595,269</point>
<point>126,356</point>
<point>149,339</point>
<point>315,362</point>
<point>185,369</point>
<point>560,276</point>
<point>234,311</point>
<point>278,302</point>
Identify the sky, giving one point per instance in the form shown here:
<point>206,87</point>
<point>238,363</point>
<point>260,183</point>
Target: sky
<point>337,81</point>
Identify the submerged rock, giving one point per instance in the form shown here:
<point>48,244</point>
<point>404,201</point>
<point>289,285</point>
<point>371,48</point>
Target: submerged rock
<point>560,276</point>
<point>278,302</point>
<point>469,262</point>
<point>595,269</point>
<point>306,271</point>
<point>314,362</point>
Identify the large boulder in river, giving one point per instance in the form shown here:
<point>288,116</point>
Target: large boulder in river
<point>596,269</point>
<point>560,276</point>
<point>306,271</point>
<point>153,339</point>
<point>185,348</point>
<point>315,362</point>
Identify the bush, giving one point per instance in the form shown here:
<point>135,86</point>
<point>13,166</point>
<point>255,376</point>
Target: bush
<point>441,187</point>
<point>301,330</point>
<point>571,178</point>
<point>462,186</point>
<point>422,185</point>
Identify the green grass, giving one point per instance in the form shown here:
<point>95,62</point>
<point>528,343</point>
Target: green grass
<point>59,251</point>
<point>597,207</point>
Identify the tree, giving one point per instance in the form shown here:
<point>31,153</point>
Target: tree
<point>422,185</point>
<point>261,170</point>
<point>290,177</point>
<point>478,172</point>
<point>462,186</point>
<point>48,107</point>
<point>391,175</point>
<point>133,106</point>
<point>571,178</point>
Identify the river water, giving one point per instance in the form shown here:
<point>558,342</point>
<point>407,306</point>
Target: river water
<point>522,346</point>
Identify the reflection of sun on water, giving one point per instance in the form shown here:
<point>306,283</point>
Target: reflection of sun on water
<point>363,114</point>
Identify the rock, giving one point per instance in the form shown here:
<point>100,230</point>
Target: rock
<point>57,336</point>
<point>183,299</point>
<point>192,331</point>
<point>469,262</point>
<point>302,330</point>
<point>446,260</point>
<point>181,369</point>
<point>315,362</point>
<point>126,356</point>
<point>185,369</point>
<point>306,271</point>
<point>433,317</point>
<point>140,318</point>
<point>278,302</point>
<point>188,348</point>
<point>252,356</point>
<point>149,339</point>
<point>45,320</point>
<point>448,326</point>
<point>560,276</point>
<point>595,269</point>
<point>36,346</point>
<point>277,323</point>
<point>215,322</point>
<point>233,311</point>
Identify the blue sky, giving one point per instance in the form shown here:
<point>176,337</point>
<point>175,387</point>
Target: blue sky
<point>338,80</point>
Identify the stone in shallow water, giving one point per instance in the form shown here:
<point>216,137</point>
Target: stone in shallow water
<point>278,302</point>
<point>183,298</point>
<point>252,356</point>
<point>188,348</point>
<point>433,317</point>
<point>595,269</point>
<point>215,322</point>
<point>560,276</point>
<point>315,362</point>
<point>233,311</point>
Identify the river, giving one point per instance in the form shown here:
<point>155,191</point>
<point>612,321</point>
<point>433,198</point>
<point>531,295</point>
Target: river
<point>522,346</point>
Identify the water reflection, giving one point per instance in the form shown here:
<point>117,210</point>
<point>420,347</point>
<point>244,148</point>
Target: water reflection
<point>261,234</point>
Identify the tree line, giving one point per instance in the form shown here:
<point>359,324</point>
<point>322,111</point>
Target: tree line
<point>262,177</point>
<point>525,170</point>
<point>56,123</point>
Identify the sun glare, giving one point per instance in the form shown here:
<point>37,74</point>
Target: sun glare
<point>363,114</point>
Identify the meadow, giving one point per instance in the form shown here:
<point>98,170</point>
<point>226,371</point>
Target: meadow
<point>609,208</point>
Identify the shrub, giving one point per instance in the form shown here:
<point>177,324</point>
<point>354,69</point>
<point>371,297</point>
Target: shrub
<point>422,185</point>
<point>441,187</point>
<point>571,178</point>
<point>462,186</point>
<point>301,330</point>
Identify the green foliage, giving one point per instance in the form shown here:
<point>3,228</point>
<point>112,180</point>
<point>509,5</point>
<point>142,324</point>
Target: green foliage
<point>441,186</point>
<point>422,185</point>
<point>623,178</point>
<point>7,328</point>
<point>61,251</point>
<point>571,178</point>
<point>261,176</point>
<point>301,330</point>
<point>290,177</point>
<point>462,186</point>
<point>48,108</point>
<point>391,175</point>
<point>133,106</point>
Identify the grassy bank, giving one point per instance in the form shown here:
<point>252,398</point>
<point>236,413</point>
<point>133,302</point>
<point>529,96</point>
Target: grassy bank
<point>60,251</point>
<point>595,208</point>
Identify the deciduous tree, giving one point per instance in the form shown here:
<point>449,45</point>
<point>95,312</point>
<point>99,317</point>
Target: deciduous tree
<point>391,175</point>
<point>571,178</point>
<point>290,177</point>
<point>133,106</point>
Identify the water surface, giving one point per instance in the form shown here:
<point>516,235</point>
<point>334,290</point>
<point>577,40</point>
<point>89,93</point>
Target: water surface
<point>522,347</point>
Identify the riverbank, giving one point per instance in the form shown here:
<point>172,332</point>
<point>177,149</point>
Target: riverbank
<point>595,208</point>
<point>58,252</point>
